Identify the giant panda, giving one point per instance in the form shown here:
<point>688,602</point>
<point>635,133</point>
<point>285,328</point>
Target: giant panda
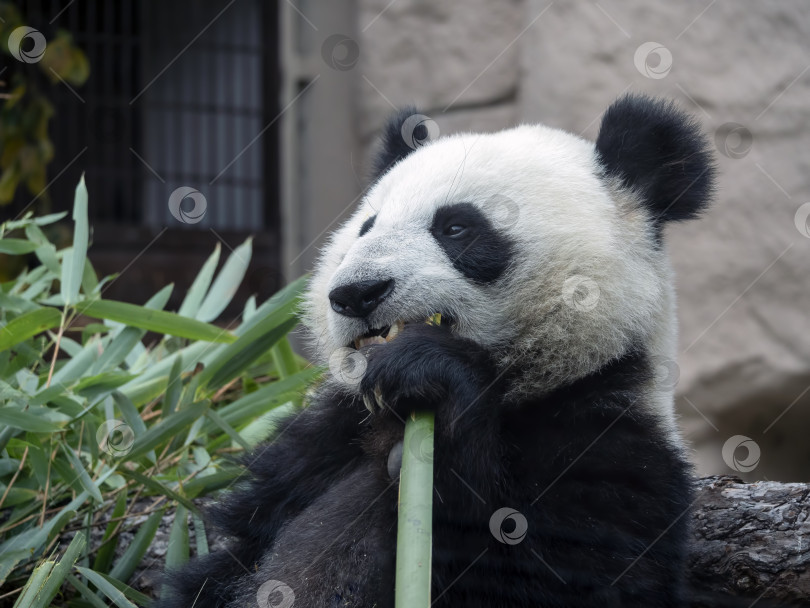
<point>560,477</point>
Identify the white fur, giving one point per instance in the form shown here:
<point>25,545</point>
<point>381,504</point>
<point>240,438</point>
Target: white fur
<point>572,226</point>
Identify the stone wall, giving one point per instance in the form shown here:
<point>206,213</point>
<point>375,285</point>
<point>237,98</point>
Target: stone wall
<point>743,69</point>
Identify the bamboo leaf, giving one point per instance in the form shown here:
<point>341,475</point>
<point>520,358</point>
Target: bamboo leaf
<point>161,298</point>
<point>194,297</point>
<point>131,594</point>
<point>85,591</point>
<point>129,561</point>
<point>17,246</point>
<point>237,357</point>
<point>161,488</point>
<point>132,417</point>
<point>165,430</point>
<point>103,382</point>
<point>89,277</point>
<point>262,400</point>
<point>118,349</point>
<point>46,253</point>
<point>211,483</point>
<point>177,552</point>
<point>73,263</point>
<point>28,324</point>
<point>174,387</point>
<point>32,539</point>
<point>82,474</point>
<point>78,364</point>
<point>38,221</point>
<point>58,573</point>
<point>130,413</point>
<point>250,308</point>
<point>226,283</point>
<point>20,419</point>
<point>16,304</point>
<point>106,551</point>
<point>281,300</point>
<point>144,391</point>
<point>284,358</point>
<point>129,337</point>
<point>200,539</point>
<point>158,321</point>
<point>8,560</point>
<point>34,234</point>
<point>106,587</point>
<point>34,585</point>
<point>227,429</point>
<point>191,354</point>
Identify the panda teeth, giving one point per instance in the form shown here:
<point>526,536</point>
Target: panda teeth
<point>368,340</point>
<point>385,335</point>
<point>393,332</point>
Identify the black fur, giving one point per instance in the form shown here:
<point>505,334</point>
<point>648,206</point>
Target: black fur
<point>311,453</point>
<point>661,153</point>
<point>479,251</point>
<point>605,499</point>
<point>394,146</point>
<point>367,225</point>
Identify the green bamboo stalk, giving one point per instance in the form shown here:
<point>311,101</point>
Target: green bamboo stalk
<point>414,531</point>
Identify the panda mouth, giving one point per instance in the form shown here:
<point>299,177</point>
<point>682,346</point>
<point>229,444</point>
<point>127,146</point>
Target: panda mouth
<point>385,334</point>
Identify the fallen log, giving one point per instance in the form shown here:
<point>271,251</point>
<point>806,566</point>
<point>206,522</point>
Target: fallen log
<point>752,539</point>
<point>749,540</point>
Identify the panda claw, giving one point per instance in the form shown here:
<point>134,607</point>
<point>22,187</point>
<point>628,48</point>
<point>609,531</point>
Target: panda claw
<point>378,397</point>
<point>369,403</point>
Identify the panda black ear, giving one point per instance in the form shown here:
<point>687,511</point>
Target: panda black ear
<point>660,153</point>
<point>404,132</point>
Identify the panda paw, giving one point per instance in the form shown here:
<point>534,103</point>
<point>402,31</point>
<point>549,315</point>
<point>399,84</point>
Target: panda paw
<point>425,367</point>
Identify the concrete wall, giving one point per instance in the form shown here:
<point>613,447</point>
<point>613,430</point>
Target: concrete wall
<point>743,69</point>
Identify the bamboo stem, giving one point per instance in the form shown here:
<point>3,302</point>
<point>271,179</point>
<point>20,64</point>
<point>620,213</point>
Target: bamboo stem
<point>414,531</point>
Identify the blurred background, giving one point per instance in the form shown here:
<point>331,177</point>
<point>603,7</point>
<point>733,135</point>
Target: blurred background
<point>204,122</point>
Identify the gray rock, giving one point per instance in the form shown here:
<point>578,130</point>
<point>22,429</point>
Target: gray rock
<point>437,55</point>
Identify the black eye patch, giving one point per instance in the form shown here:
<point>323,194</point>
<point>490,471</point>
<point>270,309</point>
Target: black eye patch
<point>367,225</point>
<point>475,247</point>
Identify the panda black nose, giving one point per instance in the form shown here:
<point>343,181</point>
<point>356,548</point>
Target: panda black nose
<point>361,298</point>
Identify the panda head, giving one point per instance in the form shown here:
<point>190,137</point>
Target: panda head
<point>541,246</point>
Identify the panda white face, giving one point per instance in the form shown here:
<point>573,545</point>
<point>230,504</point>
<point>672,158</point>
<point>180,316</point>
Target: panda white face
<point>514,238</point>
<point>538,245</point>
